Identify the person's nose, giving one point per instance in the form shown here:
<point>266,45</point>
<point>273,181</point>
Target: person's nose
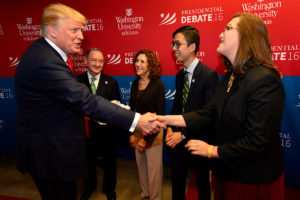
<point>98,63</point>
<point>174,48</point>
<point>221,36</point>
<point>80,35</point>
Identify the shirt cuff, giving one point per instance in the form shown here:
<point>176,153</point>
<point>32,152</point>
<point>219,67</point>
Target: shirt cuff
<point>135,121</point>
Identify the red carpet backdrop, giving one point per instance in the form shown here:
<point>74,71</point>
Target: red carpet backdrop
<point>120,28</point>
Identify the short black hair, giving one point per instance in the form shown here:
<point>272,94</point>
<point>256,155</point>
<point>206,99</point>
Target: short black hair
<point>191,35</point>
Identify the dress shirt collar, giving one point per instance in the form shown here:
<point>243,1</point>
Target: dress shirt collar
<point>61,52</point>
<point>90,76</point>
<point>191,69</point>
<point>192,66</point>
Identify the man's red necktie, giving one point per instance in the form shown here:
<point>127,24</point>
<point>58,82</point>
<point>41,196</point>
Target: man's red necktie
<point>69,63</point>
<point>87,127</point>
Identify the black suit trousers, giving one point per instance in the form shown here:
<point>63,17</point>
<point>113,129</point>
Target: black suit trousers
<point>56,190</point>
<point>182,160</point>
<point>102,137</point>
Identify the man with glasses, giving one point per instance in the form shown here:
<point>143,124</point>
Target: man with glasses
<point>100,134</point>
<point>195,84</point>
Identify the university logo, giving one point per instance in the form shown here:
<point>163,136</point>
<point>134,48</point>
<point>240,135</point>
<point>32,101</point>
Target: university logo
<point>167,19</point>
<point>170,95</point>
<point>78,62</point>
<point>128,12</point>
<point>128,24</point>
<point>14,61</point>
<point>29,20</point>
<point>29,31</point>
<point>114,59</point>
<point>267,11</point>
<point>125,94</point>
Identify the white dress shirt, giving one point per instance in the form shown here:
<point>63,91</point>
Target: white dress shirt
<point>191,69</point>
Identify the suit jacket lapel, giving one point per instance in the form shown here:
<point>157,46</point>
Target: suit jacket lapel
<point>221,100</point>
<point>220,96</point>
<point>101,85</point>
<point>86,80</point>
<point>196,74</point>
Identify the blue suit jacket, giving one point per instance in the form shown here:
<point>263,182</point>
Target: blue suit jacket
<point>51,105</point>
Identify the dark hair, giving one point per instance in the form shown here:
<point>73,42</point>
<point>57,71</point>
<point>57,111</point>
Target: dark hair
<point>191,35</point>
<point>92,49</point>
<point>153,63</point>
<point>254,45</point>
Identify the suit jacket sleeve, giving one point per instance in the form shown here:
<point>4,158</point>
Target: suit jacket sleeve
<point>210,85</point>
<point>59,83</point>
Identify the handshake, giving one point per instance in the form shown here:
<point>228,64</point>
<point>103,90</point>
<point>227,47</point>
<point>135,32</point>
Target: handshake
<point>150,123</point>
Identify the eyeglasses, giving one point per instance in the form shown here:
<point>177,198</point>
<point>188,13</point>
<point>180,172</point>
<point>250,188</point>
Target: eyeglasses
<point>228,28</point>
<point>176,44</point>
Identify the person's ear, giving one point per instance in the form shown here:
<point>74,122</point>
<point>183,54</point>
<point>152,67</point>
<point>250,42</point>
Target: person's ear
<point>52,31</point>
<point>193,47</point>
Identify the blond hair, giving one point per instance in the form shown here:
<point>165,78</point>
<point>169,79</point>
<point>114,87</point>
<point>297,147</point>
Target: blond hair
<point>54,12</point>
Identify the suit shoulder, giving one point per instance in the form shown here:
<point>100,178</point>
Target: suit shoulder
<point>259,75</point>
<point>259,72</point>
<point>206,68</point>
<point>108,78</point>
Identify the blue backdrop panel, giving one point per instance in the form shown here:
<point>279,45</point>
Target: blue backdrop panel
<point>290,126</point>
<point>8,110</point>
<point>123,148</point>
<point>290,130</point>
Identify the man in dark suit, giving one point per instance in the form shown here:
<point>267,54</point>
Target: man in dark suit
<point>100,134</point>
<point>195,84</point>
<point>51,105</point>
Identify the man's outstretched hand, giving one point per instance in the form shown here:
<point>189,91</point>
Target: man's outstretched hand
<point>148,124</point>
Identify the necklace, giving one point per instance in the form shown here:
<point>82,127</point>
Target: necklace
<point>230,82</point>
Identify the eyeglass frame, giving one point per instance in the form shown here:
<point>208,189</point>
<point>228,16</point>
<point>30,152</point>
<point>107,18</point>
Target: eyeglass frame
<point>228,28</point>
<point>177,44</point>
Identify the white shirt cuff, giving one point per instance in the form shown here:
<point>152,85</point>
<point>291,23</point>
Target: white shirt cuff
<point>135,121</point>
